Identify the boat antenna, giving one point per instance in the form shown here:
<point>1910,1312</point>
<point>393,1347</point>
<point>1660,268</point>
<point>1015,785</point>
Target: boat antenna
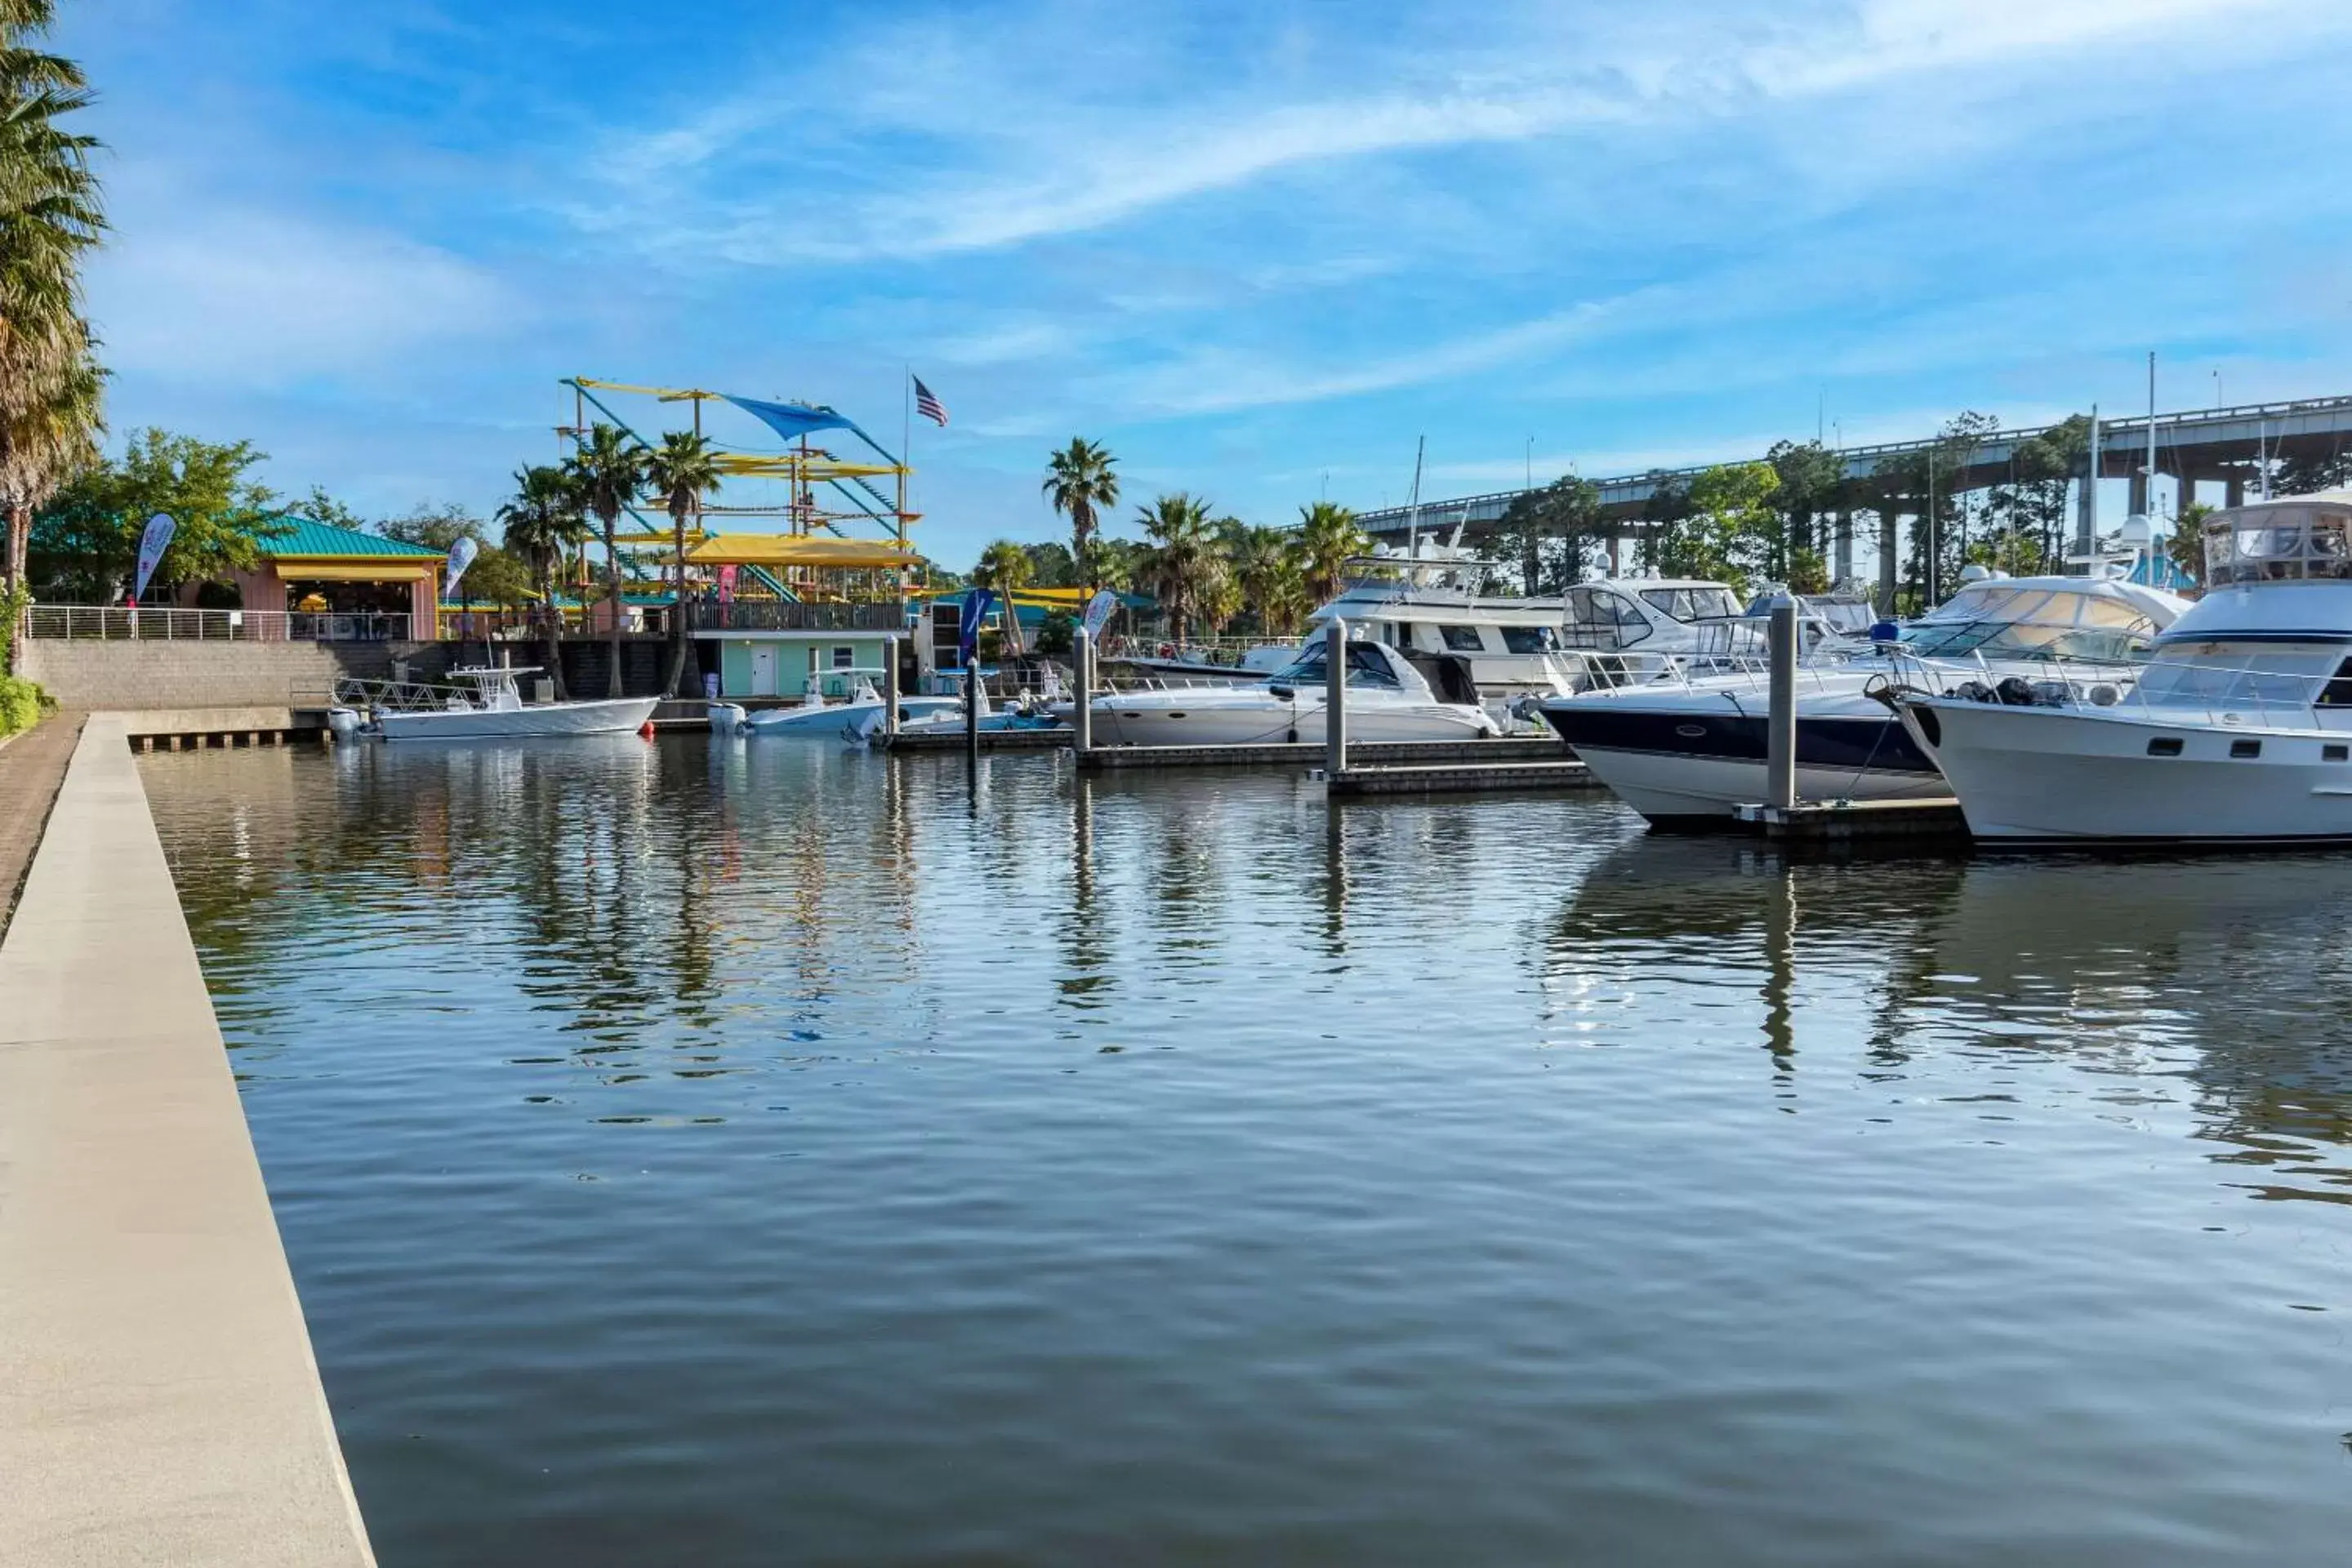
<point>1413,514</point>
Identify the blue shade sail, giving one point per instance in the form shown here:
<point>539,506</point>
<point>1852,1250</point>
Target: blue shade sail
<point>792,420</point>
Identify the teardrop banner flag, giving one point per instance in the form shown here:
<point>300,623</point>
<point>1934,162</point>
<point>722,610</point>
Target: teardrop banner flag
<point>977,604</point>
<point>152,545</point>
<point>1098,609</point>
<point>461,556</point>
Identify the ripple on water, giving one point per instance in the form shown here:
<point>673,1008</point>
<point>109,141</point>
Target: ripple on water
<point>748,1153</point>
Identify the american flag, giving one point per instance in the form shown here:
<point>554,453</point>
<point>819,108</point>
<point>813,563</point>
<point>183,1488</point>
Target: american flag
<point>929,406</point>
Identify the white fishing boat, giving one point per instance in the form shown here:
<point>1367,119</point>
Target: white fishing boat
<point>1388,700</point>
<point>494,710</point>
<point>2238,731</point>
<point>812,715</point>
<point>1688,749</point>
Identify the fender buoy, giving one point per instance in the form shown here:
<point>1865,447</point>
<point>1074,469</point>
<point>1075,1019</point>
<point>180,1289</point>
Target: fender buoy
<point>645,730</point>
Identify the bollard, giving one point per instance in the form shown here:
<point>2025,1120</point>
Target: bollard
<point>1334,699</point>
<point>971,716</point>
<point>1082,716</point>
<point>1780,721</point>
<point>890,687</point>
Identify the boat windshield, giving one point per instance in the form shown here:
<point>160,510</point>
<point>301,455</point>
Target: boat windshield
<point>1707,604</point>
<point>1365,669</point>
<point>1999,620</point>
<point>2280,543</point>
<point>2222,674</point>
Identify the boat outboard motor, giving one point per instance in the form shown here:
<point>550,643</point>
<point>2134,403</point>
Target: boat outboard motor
<point>728,718</point>
<point>342,722</point>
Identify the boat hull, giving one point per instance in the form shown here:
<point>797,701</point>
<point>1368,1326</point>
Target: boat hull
<point>619,715</point>
<point>2041,775</point>
<point>1227,724</point>
<point>833,717</point>
<point>1684,766</point>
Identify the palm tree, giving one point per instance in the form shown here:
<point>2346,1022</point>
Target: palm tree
<point>1004,566</point>
<point>682,472</point>
<point>541,520</point>
<point>1328,540</point>
<point>609,467</point>
<point>1184,564</point>
<point>1262,562</point>
<point>50,386</point>
<point>1082,480</point>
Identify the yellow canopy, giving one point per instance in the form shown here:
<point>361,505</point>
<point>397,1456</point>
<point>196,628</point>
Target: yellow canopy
<point>390,570</point>
<point>797,550</point>
<point>1073,597</point>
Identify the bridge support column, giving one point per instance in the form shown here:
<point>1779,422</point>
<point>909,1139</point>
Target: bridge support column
<point>2235,494</point>
<point>2187,494</point>
<point>1841,567</point>
<point>2138,505</point>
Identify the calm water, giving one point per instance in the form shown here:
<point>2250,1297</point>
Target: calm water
<point>724,1153</point>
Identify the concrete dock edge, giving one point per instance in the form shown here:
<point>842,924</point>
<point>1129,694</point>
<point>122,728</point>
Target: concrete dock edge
<point>159,1401</point>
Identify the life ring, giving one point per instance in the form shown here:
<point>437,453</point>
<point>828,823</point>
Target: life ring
<point>1168,650</point>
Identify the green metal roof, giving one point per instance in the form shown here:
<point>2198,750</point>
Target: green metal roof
<point>312,538</point>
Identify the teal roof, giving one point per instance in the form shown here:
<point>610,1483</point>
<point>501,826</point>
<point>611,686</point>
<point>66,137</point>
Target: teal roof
<point>308,537</point>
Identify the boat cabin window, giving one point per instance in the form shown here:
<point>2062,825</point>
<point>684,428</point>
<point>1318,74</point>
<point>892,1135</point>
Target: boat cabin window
<point>1464,639</point>
<point>2002,621</point>
<point>2337,692</point>
<point>1692,603</point>
<point>2274,544</point>
<point>2241,675</point>
<point>1530,639</point>
<point>1366,668</point>
<point>1598,618</point>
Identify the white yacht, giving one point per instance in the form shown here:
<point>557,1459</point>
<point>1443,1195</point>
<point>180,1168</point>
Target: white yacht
<point>494,708</point>
<point>1688,749</point>
<point>812,715</point>
<point>1388,700</point>
<point>2238,731</point>
<point>1598,634</point>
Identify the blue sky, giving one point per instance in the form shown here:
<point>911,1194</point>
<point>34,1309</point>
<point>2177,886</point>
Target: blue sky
<point>1257,248</point>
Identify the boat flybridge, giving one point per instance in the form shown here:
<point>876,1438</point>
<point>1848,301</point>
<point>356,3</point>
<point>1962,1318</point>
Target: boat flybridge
<point>1486,647</point>
<point>1688,750</point>
<point>2237,729</point>
<point>493,708</point>
<point>1388,700</point>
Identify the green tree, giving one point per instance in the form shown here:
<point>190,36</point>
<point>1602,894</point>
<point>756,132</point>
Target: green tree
<point>1051,566</point>
<point>1003,566</point>
<point>431,527</point>
<point>1184,564</point>
<point>1082,483</point>
<point>1812,482</point>
<point>1731,532</point>
<point>319,506</point>
<point>2033,499</point>
<point>2186,543</point>
<point>1547,533</point>
<point>542,520</point>
<point>85,538</point>
<point>1328,537</point>
<point>1265,563</point>
<point>681,471</point>
<point>1667,509</point>
<point>51,387</point>
<point>608,470</point>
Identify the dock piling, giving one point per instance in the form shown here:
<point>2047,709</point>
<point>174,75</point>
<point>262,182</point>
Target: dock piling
<point>1780,721</point>
<point>1082,719</point>
<point>972,715</point>
<point>1334,699</point>
<point>890,686</point>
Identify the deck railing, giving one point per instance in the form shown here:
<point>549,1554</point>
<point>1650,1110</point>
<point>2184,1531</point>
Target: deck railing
<point>785,615</point>
<point>115,623</point>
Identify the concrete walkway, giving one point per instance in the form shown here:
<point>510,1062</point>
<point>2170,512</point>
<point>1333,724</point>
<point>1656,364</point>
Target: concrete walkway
<point>32,766</point>
<point>158,1400</point>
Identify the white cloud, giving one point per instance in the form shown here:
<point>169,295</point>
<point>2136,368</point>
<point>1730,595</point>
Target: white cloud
<point>263,298</point>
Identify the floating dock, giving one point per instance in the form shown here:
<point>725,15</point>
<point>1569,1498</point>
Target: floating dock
<point>928,739</point>
<point>1303,754</point>
<point>1555,772</point>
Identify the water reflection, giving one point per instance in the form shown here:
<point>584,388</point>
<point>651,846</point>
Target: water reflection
<point>1027,1172</point>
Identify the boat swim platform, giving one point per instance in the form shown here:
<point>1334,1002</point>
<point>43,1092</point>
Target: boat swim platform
<point>1306,754</point>
<point>1853,822</point>
<point>159,1399</point>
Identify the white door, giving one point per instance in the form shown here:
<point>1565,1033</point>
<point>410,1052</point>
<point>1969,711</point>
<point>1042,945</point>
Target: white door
<point>763,671</point>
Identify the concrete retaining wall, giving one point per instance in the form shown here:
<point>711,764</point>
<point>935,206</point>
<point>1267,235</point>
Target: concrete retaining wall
<point>158,1399</point>
<point>173,674</point>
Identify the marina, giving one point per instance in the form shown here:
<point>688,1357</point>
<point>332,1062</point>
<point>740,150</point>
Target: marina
<point>1028,785</point>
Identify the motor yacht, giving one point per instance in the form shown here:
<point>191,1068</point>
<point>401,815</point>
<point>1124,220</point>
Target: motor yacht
<point>1388,700</point>
<point>493,708</point>
<point>2237,729</point>
<point>1688,749</point>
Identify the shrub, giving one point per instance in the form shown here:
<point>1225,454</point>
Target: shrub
<point>21,704</point>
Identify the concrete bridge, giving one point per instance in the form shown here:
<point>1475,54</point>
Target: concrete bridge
<point>2215,446</point>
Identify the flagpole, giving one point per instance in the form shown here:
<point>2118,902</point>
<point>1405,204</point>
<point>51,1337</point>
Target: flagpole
<point>906,460</point>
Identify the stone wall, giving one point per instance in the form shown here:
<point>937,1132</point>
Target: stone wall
<point>161,674</point>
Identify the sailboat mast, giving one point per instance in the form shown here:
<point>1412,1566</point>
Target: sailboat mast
<point>1412,512</point>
